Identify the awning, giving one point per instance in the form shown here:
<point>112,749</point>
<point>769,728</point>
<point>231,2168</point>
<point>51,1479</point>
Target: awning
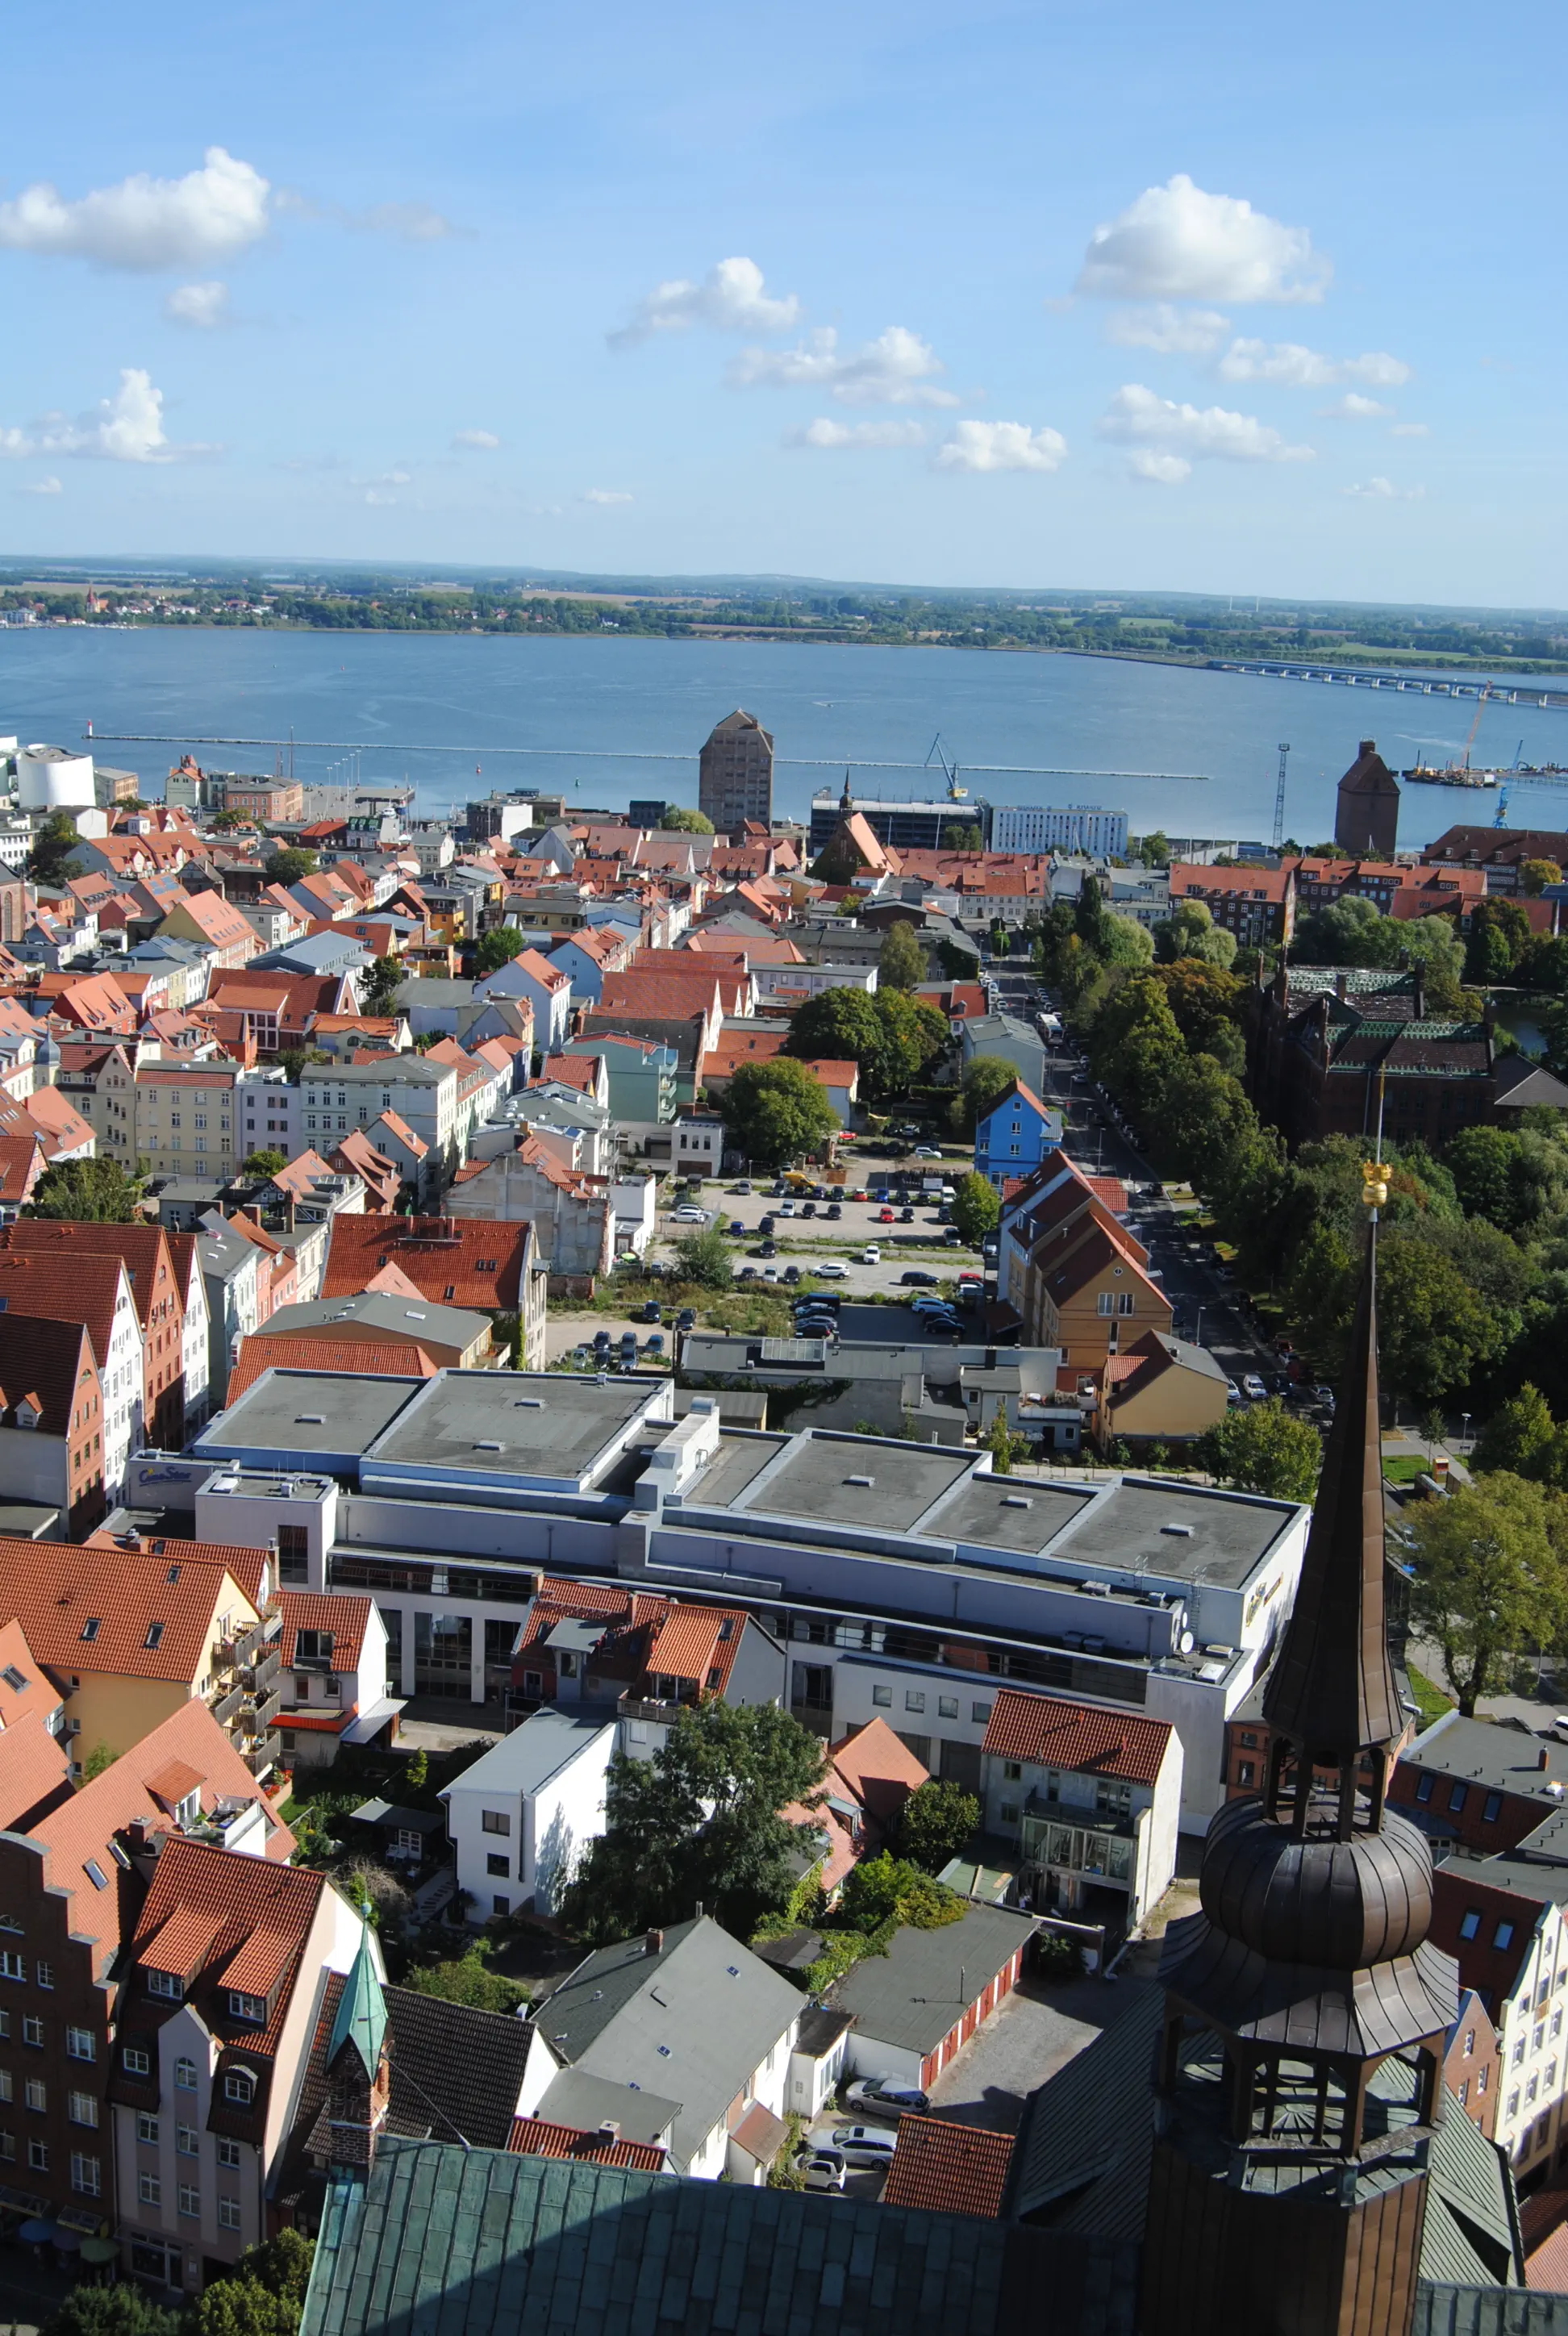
<point>370,1720</point>
<point>82,2220</point>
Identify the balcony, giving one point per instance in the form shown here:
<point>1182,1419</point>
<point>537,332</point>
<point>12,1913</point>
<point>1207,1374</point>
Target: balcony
<point>258,1675</point>
<point>647,1707</point>
<point>261,1757</point>
<point>225,1706</point>
<point>257,1714</point>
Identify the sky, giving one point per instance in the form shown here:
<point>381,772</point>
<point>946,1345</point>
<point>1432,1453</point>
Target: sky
<point>1215,299</point>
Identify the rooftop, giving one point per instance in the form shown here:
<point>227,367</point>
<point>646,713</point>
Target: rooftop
<point>307,1413</point>
<point>912,1996</point>
<point>1489,1752</point>
<point>533,1754</point>
<point>513,1423</point>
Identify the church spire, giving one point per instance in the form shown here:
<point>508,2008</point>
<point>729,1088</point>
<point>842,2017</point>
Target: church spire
<point>361,2018</point>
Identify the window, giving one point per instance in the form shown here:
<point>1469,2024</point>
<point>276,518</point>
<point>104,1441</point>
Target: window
<point>497,1864</point>
<point>154,1638</point>
<point>90,1628</point>
<point>228,2213</point>
<point>32,2029</point>
<point>1013,1771</point>
<point>136,2061</point>
<point>227,2151</point>
<point>248,2006</point>
<point>1457,1797</point>
<point>1464,2093</point>
<point>881,1696</point>
<point>1483,2076</point>
<point>1470,1923</point>
<point>980,1714</point>
<point>1540,2036</point>
<point>8,2146</point>
<point>190,2199</point>
<point>494,1821</point>
<point>186,2141</point>
<point>1009,1813</point>
<point>498,1905</point>
<point>947,1707</point>
<point>240,2086</point>
<point>95,1875</point>
<point>185,2076</point>
<point>1244,1771</point>
<point>80,2044</point>
<point>166,1983</point>
<point>85,2174</point>
<point>1513,2109</point>
<point>38,2157</point>
<point>37,2094</point>
<point>913,1699</point>
<point>146,2126</point>
<point>45,1974</point>
<point>1492,1808</point>
<point>12,1966</point>
<point>81,2108</point>
<point>5,2085</point>
<point>1502,1936</point>
<point>1531,2088</point>
<point>1424,1784</point>
<point>1517,2056</point>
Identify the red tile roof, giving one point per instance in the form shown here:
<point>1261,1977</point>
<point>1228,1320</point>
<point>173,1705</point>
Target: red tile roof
<point>343,1619</point>
<point>142,1249</point>
<point>1060,1733</point>
<point>949,2169</point>
<point>56,1590</point>
<point>308,1351</point>
<point>34,1772</point>
<point>456,1261</point>
<point>535,2137</point>
<point>879,1768</point>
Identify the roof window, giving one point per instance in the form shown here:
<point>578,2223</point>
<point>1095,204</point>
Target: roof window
<point>15,1679</point>
<point>90,1628</point>
<point>154,1635</point>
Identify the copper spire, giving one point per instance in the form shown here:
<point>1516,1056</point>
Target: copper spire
<point>1332,1689</point>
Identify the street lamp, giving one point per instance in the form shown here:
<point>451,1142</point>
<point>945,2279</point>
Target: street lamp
<point>1465,1424</point>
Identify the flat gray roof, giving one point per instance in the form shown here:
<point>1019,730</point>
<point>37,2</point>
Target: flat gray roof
<point>574,2097</point>
<point>912,1995</point>
<point>816,1479</point>
<point>545,1423</point>
<point>1230,1532</point>
<point>528,1757</point>
<point>1489,1752</point>
<point>739,1459</point>
<point>309,1412</point>
<point>1008,1512</point>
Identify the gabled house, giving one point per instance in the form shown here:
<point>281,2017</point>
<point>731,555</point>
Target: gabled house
<point>523,1813</point>
<point>1014,1135</point>
<point>1090,1796</point>
<point>332,1677</point>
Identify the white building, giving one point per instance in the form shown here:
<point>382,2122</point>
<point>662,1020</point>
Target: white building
<point>51,778</point>
<point>338,1096</point>
<point>332,1679</point>
<point>1090,1797</point>
<point>521,1817</point>
<point>1077,827</point>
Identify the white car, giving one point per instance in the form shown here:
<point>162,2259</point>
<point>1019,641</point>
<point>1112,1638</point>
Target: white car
<point>870,1254</point>
<point>1252,1387</point>
<point>1233,1394</point>
<point>832,1268</point>
<point>822,2168</point>
<point>686,1214</point>
<point>926,1151</point>
<point>865,2144</point>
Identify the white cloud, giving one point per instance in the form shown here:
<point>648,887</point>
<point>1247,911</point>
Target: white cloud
<point>1383,491</point>
<point>1000,446</point>
<point>895,369</point>
<point>823,433</point>
<point>730,299</point>
<point>1178,243</point>
<point>378,499</point>
<point>1136,417</point>
<point>1354,407</point>
<point>144,222</point>
<point>1159,470</point>
<point>1410,430</point>
<point>1292,366</point>
<point>202,305</point>
<point>606,496</point>
<point>475,441</point>
<point>1170,332</point>
<point>126,428</point>
<point>410,222</point>
<point>44,487</point>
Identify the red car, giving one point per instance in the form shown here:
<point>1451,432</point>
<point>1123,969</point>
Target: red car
<point>885,1217</point>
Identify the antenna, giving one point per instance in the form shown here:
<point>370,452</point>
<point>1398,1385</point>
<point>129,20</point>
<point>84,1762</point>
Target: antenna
<point>1280,800</point>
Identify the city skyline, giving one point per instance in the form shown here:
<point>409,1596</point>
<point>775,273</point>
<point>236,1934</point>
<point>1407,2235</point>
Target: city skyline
<point>870,300</point>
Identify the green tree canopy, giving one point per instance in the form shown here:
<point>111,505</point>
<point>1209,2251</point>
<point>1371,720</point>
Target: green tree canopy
<point>935,1823</point>
<point>986,1082</point>
<point>264,1162</point>
<point>1207,1004</point>
<point>52,845</point>
<point>122,2310</point>
<point>1202,1115</point>
<point>1262,1447</point>
<point>497,948</point>
<point>1535,875</point>
<point>902,960</point>
<point>379,988</point>
<point>704,1257</point>
<point>963,838</point>
<point>1190,930</point>
<point>680,818</point>
<point>288,863</point>
<point>1091,917</point>
<point>1520,1438</point>
<point>888,1889</point>
<point>698,1821</point>
<point>468,1979</point>
<point>86,1192</point>
<point>774,1111</point>
<point>1489,1581</point>
<point>977,1208</point>
<point>896,1039</point>
<point>1127,942</point>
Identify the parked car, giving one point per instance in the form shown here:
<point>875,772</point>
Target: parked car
<point>686,1319</point>
<point>1325,1395</point>
<point>744,1186</point>
<point>870,1254</point>
<point>864,2144</point>
<point>747,1274</point>
<point>791,1273</point>
<point>808,1207</point>
<point>822,2168</point>
<point>835,1209</point>
<point>1233,1394</point>
<point>873,2097</point>
<point>916,1280</point>
<point>1252,1387</point>
<point>926,1151</point>
<point>653,1344</point>
<point>736,1231</point>
<point>832,1268</point>
<point>766,1224</point>
<point>601,1341</point>
<point>786,1208</point>
<point>688,1215</point>
<point>652,1312</point>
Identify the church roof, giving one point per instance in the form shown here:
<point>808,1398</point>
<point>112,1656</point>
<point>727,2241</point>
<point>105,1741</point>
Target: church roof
<point>361,2017</point>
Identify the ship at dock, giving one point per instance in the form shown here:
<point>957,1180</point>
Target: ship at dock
<point>1460,774</point>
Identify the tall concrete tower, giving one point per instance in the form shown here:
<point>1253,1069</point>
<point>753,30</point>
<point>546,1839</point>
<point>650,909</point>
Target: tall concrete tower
<point>735,774</point>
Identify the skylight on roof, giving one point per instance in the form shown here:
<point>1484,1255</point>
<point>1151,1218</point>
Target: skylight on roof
<point>90,1628</point>
<point>15,1679</point>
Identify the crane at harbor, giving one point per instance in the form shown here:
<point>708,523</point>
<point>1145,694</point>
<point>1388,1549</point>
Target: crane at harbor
<point>1280,799</point>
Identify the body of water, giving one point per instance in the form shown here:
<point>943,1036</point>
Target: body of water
<point>837,705</point>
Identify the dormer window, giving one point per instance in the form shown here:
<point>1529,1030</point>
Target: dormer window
<point>168,1984</point>
<point>239,2087</point>
<point>248,2006</point>
<point>28,1414</point>
<point>154,1638</point>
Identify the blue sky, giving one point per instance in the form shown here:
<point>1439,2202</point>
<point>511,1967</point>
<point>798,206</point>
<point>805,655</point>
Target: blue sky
<point>1203,298</point>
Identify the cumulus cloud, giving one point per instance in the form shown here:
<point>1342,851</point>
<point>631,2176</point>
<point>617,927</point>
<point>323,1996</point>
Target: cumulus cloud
<point>44,487</point>
<point>1178,243</point>
<point>202,304</point>
<point>378,498</point>
<point>1290,366</point>
<point>475,441</point>
<point>1354,407</point>
<point>125,428</point>
<point>607,497</point>
<point>144,222</point>
<point>1000,446</point>
<point>825,433</point>
<point>1157,426</point>
<point>895,369</point>
<point>1167,330</point>
<point>731,298</point>
<point>1383,491</point>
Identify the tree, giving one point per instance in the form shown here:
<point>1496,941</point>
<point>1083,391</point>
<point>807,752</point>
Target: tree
<point>900,960</point>
<point>378,992</point>
<point>1261,1448</point>
<point>288,866</point>
<point>774,1111</point>
<point>1154,851</point>
<point>964,839</point>
<point>893,1038</point>
<point>1203,1114</point>
<point>1190,931</point>
<point>698,1821</point>
<point>123,2309</point>
<point>986,1082</point>
<point>704,1257</point>
<point>977,1208</point>
<point>468,1979</point>
<point>1003,1446</point>
<point>934,1824</point>
<point>416,1775</point>
<point>958,964</point>
<point>1434,1328</point>
<point>264,1162</point>
<point>1090,917</point>
<point>1499,936</point>
<point>98,1760</point>
<point>1535,875</point>
<point>1488,1580</point>
<point>1518,1438</point>
<point>892,1890</point>
<point>1127,942</point>
<point>497,948</point>
<point>52,845</point>
<point>86,1192</point>
<point>681,819</point>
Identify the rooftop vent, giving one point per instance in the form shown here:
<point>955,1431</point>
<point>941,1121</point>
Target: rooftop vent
<point>310,1419</point>
<point>529,1403</point>
<point>1095,1589</point>
<point>867,1481</point>
<point>489,1444</point>
<point>1015,1501</point>
<point>1185,1531</point>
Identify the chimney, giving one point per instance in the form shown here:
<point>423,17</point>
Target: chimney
<point>1543,1760</point>
<point>699,1909</point>
<point>609,2131</point>
<point>653,1943</point>
<point>1340,985</point>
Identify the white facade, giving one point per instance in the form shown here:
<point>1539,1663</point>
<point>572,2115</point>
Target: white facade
<point>51,778</point>
<point>338,1098</point>
<point>1077,827</point>
<point>521,1817</point>
<point>810,980</point>
<point>1530,2032</point>
<point>269,1113</point>
<point>123,1389</point>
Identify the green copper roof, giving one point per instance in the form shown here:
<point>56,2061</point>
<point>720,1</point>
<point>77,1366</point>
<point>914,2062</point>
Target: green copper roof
<point>361,2010</point>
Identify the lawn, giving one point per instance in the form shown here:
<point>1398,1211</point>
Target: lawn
<point>1404,1470</point>
<point>1431,1701</point>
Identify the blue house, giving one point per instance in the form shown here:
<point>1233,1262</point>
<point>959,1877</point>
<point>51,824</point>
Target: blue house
<point>1014,1135</point>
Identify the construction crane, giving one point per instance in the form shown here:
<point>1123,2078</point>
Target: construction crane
<point>1280,799</point>
<point>1481,696</point>
<point>1502,818</point>
<point>950,770</point>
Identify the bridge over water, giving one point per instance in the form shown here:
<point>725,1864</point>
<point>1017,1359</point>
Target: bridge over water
<point>1525,691</point>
